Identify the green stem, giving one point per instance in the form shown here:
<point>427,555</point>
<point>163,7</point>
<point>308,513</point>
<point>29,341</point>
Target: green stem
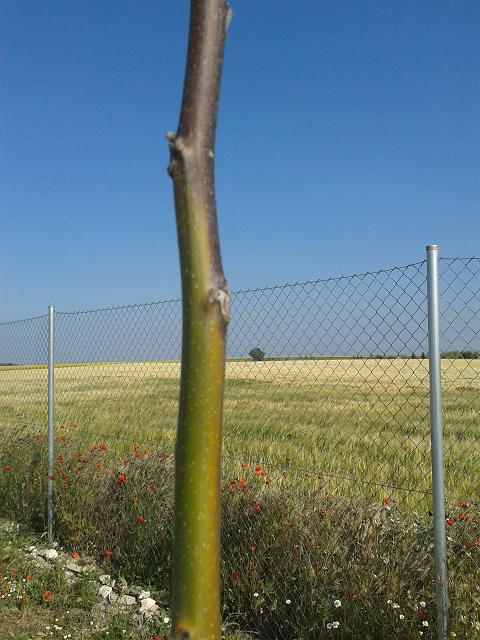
<point>196,561</point>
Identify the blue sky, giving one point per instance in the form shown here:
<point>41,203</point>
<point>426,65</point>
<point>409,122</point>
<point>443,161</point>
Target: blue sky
<point>348,138</point>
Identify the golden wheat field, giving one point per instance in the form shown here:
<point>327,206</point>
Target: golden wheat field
<point>396,372</point>
<point>366,420</point>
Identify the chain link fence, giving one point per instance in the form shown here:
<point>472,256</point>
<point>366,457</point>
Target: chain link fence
<point>327,505</point>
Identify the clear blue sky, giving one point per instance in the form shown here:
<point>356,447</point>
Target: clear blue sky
<point>348,138</point>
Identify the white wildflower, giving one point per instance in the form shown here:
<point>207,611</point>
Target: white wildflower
<point>335,625</point>
<point>423,604</point>
<point>337,603</point>
<point>425,623</point>
<point>166,620</point>
<point>401,616</point>
<point>255,595</point>
<point>287,601</point>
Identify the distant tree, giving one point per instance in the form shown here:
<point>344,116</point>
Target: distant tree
<point>257,354</point>
<point>413,356</point>
<point>423,355</point>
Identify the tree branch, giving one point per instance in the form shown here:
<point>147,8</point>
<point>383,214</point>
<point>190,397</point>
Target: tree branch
<point>196,562</point>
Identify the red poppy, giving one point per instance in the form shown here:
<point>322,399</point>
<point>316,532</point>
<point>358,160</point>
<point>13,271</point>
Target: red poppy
<point>59,458</point>
<point>450,521</point>
<point>107,554</point>
<point>141,518</point>
<point>421,612</point>
<point>151,487</point>
<point>51,477</point>
<point>5,585</point>
<point>75,555</point>
<point>244,465</point>
<point>47,594</point>
<point>99,465</point>
<point>264,473</point>
<point>258,468</point>
<point>29,578</point>
<point>257,508</point>
<point>64,478</point>
<point>464,517</point>
<point>477,544</point>
<point>467,545</point>
<point>464,504</point>
<point>350,594</point>
<point>103,446</point>
<point>387,500</point>
<point>7,467</point>
<point>236,576</point>
<point>121,479</point>
<point>253,548</point>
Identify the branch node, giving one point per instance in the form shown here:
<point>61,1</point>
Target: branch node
<point>222,296</point>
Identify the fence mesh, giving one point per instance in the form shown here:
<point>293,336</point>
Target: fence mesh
<point>326,478</point>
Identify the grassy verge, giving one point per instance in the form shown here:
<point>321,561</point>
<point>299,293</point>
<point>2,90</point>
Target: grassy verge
<point>302,558</point>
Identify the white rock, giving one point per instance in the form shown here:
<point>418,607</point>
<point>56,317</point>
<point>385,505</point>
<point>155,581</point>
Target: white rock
<point>125,600</point>
<point>144,594</point>
<point>113,597</point>
<point>149,606</point>
<point>105,591</point>
<point>106,579</point>
<point>31,549</point>
<point>73,567</point>
<point>50,554</point>
<point>71,577</point>
<point>41,562</point>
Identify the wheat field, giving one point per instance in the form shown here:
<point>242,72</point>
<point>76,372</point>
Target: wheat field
<point>363,422</point>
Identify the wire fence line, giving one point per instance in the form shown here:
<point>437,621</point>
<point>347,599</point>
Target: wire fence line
<point>331,411</point>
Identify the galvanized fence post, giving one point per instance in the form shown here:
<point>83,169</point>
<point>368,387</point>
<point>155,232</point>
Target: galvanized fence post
<point>438,485</point>
<point>51,417</point>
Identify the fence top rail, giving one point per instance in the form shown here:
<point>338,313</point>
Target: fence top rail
<point>23,320</point>
<point>234,293</point>
<point>251,290</point>
<point>459,258</point>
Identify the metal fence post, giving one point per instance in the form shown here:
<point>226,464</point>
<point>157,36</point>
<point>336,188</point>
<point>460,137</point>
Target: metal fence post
<point>438,486</point>
<point>51,414</point>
